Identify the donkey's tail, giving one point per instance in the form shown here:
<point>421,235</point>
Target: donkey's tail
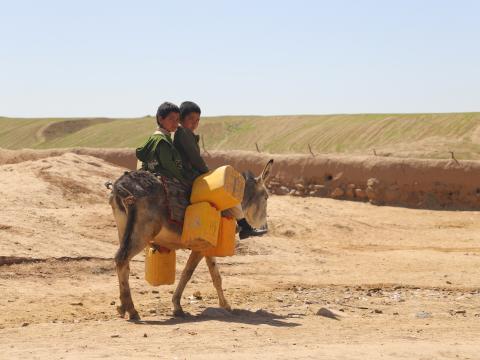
<point>131,209</point>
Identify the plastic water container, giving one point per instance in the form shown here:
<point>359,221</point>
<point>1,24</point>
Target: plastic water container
<point>222,187</point>
<point>200,226</point>
<point>159,266</point>
<point>226,239</point>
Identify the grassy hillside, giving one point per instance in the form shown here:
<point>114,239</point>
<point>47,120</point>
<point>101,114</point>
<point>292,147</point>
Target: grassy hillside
<point>418,135</point>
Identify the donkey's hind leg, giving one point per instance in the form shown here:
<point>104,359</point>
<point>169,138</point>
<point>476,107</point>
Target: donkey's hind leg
<point>217,282</point>
<point>123,272</point>
<point>187,273</point>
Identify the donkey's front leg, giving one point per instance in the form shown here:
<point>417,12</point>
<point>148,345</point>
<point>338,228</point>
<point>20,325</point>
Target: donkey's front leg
<point>217,282</point>
<point>187,273</point>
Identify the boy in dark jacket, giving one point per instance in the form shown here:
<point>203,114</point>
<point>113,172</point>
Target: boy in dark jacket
<point>186,141</point>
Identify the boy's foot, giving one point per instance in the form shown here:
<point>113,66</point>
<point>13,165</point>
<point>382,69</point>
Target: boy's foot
<point>245,233</point>
<point>248,231</point>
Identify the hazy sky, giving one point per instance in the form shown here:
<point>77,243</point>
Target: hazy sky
<point>123,58</point>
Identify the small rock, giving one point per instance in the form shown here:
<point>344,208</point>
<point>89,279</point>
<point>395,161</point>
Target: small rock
<point>327,313</point>
<point>395,313</point>
<point>360,193</point>
<point>25,324</point>
<point>197,295</point>
<point>397,297</point>
<point>115,336</point>
<point>448,282</point>
<point>77,304</point>
<point>215,312</point>
<point>145,335</point>
<point>295,316</point>
<point>423,315</point>
<point>155,291</point>
<point>377,311</point>
<point>458,312</point>
<point>337,192</point>
<point>373,182</point>
<point>112,302</point>
<point>350,190</point>
<point>152,311</point>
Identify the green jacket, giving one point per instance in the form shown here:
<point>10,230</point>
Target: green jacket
<point>186,142</point>
<point>159,155</point>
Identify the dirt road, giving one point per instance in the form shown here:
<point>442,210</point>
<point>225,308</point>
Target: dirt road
<point>402,283</point>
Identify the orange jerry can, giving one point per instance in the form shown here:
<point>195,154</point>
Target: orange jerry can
<point>226,239</point>
<point>200,226</point>
<point>159,266</point>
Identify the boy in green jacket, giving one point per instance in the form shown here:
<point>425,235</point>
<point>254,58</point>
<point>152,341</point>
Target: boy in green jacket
<point>158,154</point>
<point>186,141</point>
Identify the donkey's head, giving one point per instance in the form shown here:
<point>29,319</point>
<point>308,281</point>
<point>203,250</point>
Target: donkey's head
<point>254,202</point>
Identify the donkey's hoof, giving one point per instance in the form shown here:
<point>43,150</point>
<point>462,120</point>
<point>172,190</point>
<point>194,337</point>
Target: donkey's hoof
<point>121,311</point>
<point>134,317</point>
<point>179,313</point>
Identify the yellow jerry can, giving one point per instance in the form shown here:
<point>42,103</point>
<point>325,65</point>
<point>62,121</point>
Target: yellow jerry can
<point>159,266</point>
<point>200,226</point>
<point>222,187</point>
<point>226,239</point>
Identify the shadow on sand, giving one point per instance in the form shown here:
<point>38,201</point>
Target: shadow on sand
<point>259,317</point>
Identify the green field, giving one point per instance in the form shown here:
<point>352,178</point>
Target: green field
<point>416,135</point>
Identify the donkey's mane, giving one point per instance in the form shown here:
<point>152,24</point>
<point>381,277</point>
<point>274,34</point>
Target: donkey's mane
<point>248,175</point>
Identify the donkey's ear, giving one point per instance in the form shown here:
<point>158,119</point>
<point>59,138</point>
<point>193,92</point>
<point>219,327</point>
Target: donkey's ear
<point>266,171</point>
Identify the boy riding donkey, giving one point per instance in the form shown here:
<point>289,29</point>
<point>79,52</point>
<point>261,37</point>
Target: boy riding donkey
<point>186,142</point>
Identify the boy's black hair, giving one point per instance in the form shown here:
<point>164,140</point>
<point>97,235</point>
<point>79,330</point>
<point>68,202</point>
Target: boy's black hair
<point>165,109</point>
<point>188,107</point>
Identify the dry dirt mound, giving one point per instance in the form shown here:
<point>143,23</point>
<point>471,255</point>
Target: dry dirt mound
<point>64,193</point>
<point>121,157</point>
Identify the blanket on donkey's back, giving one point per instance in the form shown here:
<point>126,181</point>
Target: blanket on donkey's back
<point>177,197</point>
<point>174,195</point>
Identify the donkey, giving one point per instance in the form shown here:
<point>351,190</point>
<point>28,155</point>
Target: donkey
<point>137,201</point>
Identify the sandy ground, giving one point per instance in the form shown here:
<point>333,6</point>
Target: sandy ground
<point>404,284</point>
